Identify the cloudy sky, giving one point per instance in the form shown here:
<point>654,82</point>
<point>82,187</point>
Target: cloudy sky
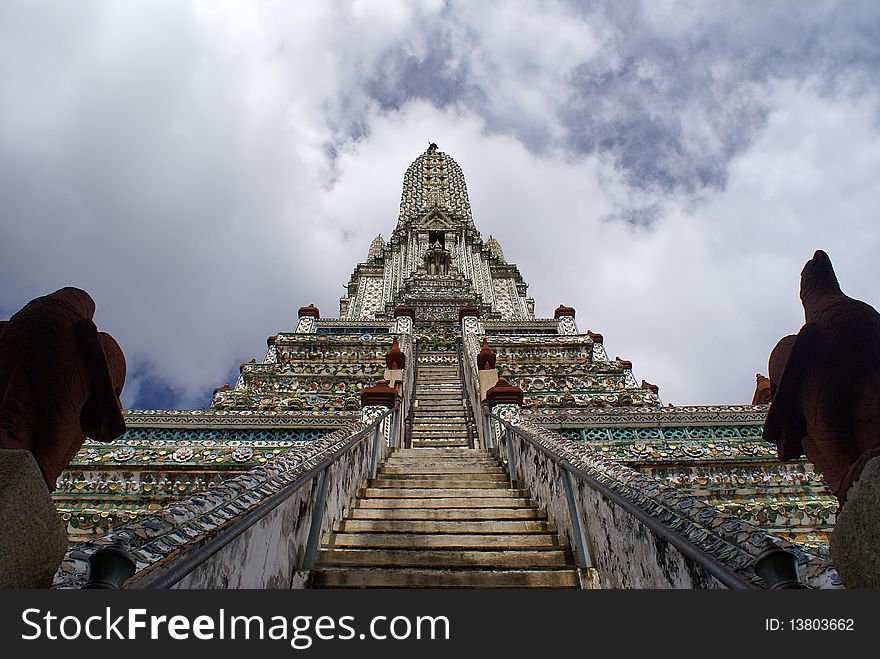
<point>203,169</point>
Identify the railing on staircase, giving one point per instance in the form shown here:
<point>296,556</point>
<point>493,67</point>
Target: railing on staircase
<point>467,392</point>
<point>369,442</point>
<point>503,445</point>
<point>409,398</point>
<point>472,393</point>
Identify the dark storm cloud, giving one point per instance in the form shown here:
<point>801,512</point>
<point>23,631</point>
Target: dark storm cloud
<point>672,92</point>
<point>668,70</point>
<point>440,77</point>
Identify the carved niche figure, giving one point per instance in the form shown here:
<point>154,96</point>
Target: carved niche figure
<point>437,260</point>
<point>60,380</point>
<point>825,382</point>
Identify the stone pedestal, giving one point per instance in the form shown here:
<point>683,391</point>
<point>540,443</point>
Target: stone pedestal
<point>488,379</point>
<point>395,378</point>
<point>855,541</point>
<point>33,538</point>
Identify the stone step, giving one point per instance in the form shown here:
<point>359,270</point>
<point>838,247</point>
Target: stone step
<point>434,405</point>
<point>470,452</point>
<point>444,502</point>
<point>435,426</point>
<point>452,412</point>
<point>435,443</point>
<point>460,514</point>
<point>429,431</point>
<point>439,578</point>
<point>422,493</point>
<point>444,433</point>
<point>430,480</point>
<point>462,472</point>
<point>443,526</point>
<point>452,558</point>
<point>441,461</point>
<point>438,432</point>
<point>413,470</point>
<point>434,483</point>
<point>440,423</point>
<point>472,541</point>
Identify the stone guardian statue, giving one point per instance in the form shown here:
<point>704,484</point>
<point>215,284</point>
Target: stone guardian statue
<point>825,390</point>
<point>60,381</point>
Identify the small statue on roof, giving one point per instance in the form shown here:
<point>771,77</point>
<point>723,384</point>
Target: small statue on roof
<point>432,147</point>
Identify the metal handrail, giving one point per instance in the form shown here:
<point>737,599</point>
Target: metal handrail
<point>467,393</point>
<point>708,562</point>
<point>473,390</point>
<point>414,370</point>
<point>192,559</point>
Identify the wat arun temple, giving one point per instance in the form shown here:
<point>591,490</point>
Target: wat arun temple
<point>434,432</point>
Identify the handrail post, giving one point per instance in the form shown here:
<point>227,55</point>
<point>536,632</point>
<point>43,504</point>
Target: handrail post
<point>511,460</point>
<point>489,429</point>
<point>395,419</point>
<point>574,514</point>
<point>374,451</point>
<point>317,519</point>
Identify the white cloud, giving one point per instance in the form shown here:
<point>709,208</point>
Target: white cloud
<point>177,161</point>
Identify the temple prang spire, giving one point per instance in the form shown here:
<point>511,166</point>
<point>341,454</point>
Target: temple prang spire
<point>436,252</point>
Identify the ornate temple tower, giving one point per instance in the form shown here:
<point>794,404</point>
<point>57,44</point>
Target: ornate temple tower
<point>436,260</point>
<point>439,299</point>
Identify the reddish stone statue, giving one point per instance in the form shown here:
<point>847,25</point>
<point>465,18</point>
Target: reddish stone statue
<point>825,382</point>
<point>394,358</point>
<point>60,380</point>
<point>486,357</point>
<point>762,390</point>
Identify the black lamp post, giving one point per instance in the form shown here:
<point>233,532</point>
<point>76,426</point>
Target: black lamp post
<point>110,567</point>
<point>778,568</point>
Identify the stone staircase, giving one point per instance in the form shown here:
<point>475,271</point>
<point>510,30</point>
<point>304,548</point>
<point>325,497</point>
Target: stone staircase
<point>443,518</point>
<point>439,414</point>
